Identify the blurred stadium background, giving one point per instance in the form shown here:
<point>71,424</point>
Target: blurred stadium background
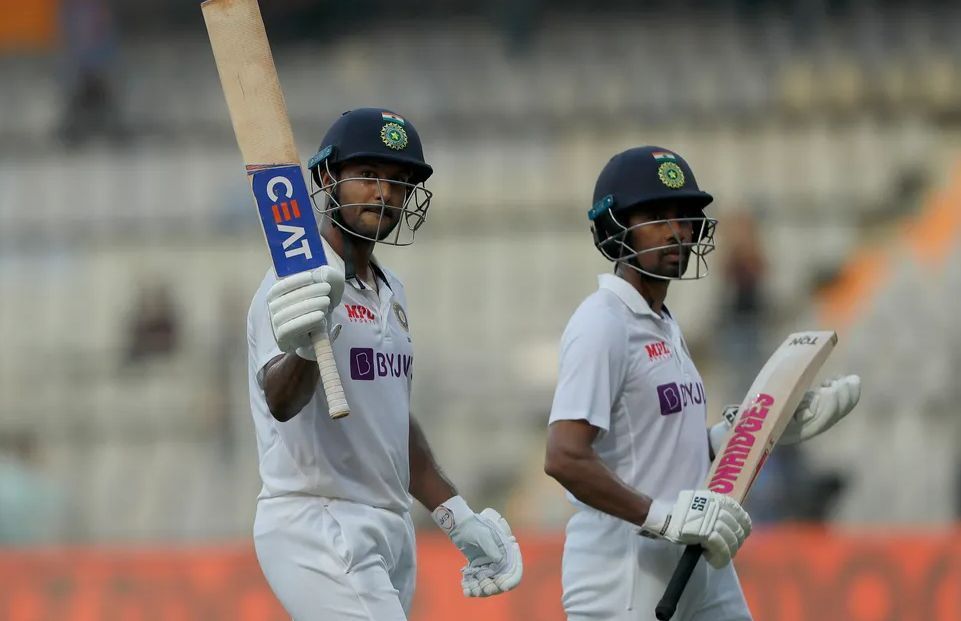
<point>829,132</point>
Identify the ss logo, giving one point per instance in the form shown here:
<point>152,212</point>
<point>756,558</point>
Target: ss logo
<point>699,504</point>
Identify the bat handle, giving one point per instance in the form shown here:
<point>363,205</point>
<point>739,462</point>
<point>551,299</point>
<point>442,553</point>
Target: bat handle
<point>336,402</point>
<point>682,573</point>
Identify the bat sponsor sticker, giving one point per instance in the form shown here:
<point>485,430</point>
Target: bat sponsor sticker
<point>287,218</point>
<point>738,447</point>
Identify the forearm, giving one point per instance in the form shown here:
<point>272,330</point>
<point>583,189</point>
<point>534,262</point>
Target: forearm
<point>289,383</point>
<point>427,482</point>
<point>594,484</point>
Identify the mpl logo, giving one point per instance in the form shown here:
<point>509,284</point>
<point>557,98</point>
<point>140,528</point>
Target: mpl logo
<point>674,397</point>
<point>657,350</point>
<point>287,219</point>
<point>367,365</point>
<point>360,313</point>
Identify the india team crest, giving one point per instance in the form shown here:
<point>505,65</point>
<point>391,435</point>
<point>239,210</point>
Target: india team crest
<point>401,315</point>
<point>671,175</point>
<point>393,136</point>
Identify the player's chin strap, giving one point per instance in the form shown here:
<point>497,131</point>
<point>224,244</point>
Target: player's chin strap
<point>349,236</point>
<point>349,271</point>
<point>338,220</point>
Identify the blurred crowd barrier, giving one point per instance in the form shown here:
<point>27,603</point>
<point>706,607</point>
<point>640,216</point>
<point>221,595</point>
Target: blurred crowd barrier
<point>788,574</point>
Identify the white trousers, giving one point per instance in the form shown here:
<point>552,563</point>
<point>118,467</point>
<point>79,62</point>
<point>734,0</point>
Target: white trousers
<point>611,573</point>
<point>336,560</point>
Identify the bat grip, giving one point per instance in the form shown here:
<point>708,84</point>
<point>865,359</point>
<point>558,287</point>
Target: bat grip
<point>682,573</point>
<point>336,402</point>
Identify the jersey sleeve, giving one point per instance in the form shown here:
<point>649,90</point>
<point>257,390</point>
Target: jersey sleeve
<point>261,344</point>
<point>593,363</point>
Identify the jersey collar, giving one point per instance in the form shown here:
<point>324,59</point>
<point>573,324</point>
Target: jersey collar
<point>627,294</point>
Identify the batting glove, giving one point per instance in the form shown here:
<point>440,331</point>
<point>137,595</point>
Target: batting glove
<point>821,408</point>
<point>714,521</point>
<point>298,306</point>
<point>494,562</point>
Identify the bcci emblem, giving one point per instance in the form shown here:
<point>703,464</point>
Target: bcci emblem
<point>393,136</point>
<point>401,315</point>
<point>671,175</point>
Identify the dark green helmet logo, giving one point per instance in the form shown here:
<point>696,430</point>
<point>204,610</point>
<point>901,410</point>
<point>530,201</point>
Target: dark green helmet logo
<point>671,175</point>
<point>394,136</point>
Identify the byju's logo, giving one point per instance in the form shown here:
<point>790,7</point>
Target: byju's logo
<point>675,397</point>
<point>361,363</point>
<point>366,364</point>
<point>670,397</point>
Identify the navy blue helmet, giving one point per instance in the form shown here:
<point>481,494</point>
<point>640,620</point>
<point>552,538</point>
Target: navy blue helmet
<point>373,133</point>
<point>645,175</point>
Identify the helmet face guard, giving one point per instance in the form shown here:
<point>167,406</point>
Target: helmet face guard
<point>614,240</point>
<point>410,215</point>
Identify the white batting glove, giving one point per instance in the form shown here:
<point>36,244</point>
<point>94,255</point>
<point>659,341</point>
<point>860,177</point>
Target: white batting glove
<point>714,521</point>
<point>298,305</point>
<point>821,408</point>
<point>494,562</point>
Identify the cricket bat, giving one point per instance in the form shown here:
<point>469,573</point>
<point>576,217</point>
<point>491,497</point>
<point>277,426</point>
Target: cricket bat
<point>259,117</point>
<point>764,414</point>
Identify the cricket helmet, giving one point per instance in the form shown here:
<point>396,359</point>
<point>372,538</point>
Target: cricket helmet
<point>645,177</point>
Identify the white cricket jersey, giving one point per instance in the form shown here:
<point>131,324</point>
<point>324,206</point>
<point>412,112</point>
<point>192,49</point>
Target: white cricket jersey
<point>627,370</point>
<point>363,457</point>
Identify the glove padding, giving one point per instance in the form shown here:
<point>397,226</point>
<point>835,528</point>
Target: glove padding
<point>821,408</point>
<point>298,305</point>
<point>714,521</point>
<point>494,562</point>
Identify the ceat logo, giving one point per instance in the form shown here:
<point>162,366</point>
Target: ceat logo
<point>658,350</point>
<point>359,313</point>
<point>287,219</point>
<point>285,211</point>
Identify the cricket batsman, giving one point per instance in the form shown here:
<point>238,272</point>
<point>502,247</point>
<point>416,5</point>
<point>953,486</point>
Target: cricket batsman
<point>628,433</point>
<point>333,532</point>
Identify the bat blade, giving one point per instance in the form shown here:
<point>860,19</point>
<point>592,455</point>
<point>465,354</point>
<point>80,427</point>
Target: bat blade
<point>766,411</point>
<point>249,79</point>
<point>261,125</point>
<point>764,414</point>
